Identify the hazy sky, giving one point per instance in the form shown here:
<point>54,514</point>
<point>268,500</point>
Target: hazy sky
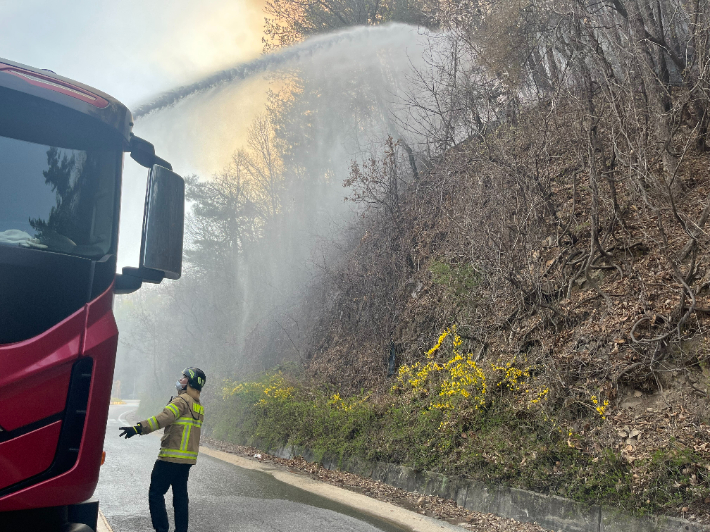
<point>131,49</point>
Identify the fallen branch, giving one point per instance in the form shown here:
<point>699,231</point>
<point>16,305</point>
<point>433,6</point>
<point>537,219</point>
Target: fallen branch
<point>650,340</point>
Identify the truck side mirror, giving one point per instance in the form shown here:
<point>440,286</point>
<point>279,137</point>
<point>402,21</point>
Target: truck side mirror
<point>163,223</point>
<point>163,228</point>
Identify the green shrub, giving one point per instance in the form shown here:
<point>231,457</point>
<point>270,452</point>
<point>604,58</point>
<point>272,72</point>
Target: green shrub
<point>459,278</point>
<point>450,416</point>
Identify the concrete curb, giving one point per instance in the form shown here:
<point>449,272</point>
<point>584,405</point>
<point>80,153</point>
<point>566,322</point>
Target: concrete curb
<point>556,513</point>
<point>102,524</point>
<point>411,520</point>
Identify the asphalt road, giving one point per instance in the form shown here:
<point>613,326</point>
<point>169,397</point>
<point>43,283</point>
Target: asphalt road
<point>223,497</point>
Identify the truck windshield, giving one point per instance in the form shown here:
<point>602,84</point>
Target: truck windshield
<point>58,199</point>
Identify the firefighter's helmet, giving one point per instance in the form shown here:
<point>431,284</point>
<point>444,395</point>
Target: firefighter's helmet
<point>195,377</point>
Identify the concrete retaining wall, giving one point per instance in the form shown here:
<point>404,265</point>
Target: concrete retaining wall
<point>555,513</point>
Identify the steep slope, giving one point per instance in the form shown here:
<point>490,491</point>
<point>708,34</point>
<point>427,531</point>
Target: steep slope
<point>609,339</point>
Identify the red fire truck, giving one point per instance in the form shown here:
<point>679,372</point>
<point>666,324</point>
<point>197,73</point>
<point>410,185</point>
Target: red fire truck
<point>61,160</point>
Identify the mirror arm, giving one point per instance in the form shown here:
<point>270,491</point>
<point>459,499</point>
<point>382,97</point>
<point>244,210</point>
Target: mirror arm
<point>146,275</point>
<point>133,278</point>
<point>126,283</point>
<point>142,151</point>
<point>163,163</point>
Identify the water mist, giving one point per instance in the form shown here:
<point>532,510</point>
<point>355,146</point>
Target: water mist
<point>341,94</point>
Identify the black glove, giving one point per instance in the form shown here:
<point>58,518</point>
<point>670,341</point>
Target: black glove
<point>129,432</point>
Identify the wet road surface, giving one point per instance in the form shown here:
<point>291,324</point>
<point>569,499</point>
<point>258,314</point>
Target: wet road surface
<point>223,497</point>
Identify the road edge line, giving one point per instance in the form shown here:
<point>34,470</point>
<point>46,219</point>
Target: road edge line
<point>102,524</point>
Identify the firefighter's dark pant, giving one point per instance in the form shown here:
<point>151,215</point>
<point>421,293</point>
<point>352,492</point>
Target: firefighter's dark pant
<point>164,475</point>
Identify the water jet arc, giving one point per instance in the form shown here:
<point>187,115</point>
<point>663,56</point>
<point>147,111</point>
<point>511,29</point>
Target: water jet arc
<point>268,62</point>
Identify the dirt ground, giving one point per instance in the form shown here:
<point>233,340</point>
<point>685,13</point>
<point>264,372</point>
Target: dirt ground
<point>435,507</point>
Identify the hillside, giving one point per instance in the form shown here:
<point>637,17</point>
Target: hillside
<point>591,357</point>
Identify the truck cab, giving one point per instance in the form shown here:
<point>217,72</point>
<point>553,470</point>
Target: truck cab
<point>62,148</point>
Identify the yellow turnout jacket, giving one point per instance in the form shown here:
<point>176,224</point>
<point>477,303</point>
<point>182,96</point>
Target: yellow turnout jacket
<point>182,419</point>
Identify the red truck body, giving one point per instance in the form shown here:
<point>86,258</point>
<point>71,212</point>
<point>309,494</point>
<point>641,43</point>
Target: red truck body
<point>62,146</point>
<point>34,386</point>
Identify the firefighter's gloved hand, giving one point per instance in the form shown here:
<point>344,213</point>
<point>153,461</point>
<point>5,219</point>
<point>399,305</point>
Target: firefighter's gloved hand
<point>129,432</point>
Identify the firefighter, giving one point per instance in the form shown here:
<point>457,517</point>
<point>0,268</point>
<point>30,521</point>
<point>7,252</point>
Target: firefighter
<point>182,419</point>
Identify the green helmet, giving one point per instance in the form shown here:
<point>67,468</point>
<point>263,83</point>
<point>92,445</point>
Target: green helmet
<point>195,377</point>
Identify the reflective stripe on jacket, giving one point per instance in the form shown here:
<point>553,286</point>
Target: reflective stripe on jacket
<point>182,419</point>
